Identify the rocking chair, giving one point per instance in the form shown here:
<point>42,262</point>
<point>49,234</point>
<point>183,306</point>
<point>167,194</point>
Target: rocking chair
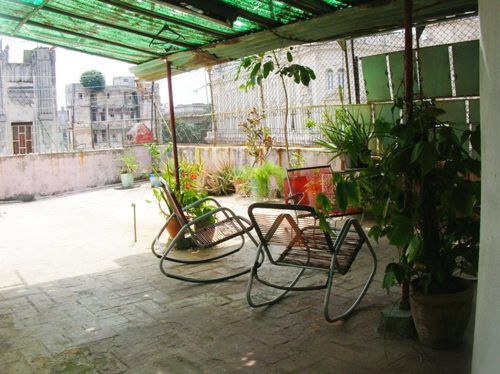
<point>290,237</point>
<point>227,226</point>
<point>304,184</point>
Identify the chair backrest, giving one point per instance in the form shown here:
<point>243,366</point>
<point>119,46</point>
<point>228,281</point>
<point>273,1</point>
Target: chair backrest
<point>308,182</point>
<point>173,203</point>
<point>288,225</point>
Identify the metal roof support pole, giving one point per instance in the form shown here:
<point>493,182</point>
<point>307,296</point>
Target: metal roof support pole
<point>408,60</point>
<point>172,125</point>
<point>408,108</point>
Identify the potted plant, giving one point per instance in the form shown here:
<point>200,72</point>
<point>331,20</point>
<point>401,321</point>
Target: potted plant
<point>242,181</point>
<point>347,136</point>
<point>156,162</point>
<point>261,177</point>
<point>188,193</point>
<point>129,166</point>
<point>424,194</point>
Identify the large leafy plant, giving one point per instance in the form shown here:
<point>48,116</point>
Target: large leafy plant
<point>345,133</point>
<point>263,65</point>
<point>424,194</point>
<point>189,190</point>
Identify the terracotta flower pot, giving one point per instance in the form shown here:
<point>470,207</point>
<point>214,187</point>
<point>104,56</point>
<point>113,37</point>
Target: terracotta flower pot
<point>441,319</point>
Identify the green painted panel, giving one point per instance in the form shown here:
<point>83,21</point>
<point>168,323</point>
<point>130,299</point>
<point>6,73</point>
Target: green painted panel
<point>385,112</point>
<point>376,78</point>
<point>474,112</point>
<point>435,71</point>
<point>455,116</point>
<point>396,64</point>
<point>360,111</point>
<point>466,64</point>
<point>388,113</point>
<point>455,111</point>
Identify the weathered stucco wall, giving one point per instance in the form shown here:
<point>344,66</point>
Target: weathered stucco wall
<point>214,155</point>
<point>50,174</point>
<point>487,329</point>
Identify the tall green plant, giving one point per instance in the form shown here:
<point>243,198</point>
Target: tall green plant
<point>424,195</point>
<point>262,65</point>
<point>347,134</point>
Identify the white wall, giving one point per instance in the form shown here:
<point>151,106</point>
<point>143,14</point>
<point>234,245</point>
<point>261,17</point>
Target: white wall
<point>486,357</point>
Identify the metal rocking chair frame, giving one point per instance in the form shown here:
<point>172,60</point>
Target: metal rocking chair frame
<point>306,247</point>
<point>229,227</point>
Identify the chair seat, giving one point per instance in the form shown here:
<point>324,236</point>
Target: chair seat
<point>314,252</point>
<point>220,231</point>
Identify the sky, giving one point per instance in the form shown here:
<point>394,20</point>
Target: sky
<point>187,88</point>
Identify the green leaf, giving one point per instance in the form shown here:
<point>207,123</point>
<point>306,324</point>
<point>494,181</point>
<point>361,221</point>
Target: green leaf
<point>417,151</point>
<point>401,232</point>
<point>353,193</point>
<point>342,195</point>
<point>414,248</point>
<point>267,68</point>
<point>289,56</point>
<point>394,274</point>
<point>428,159</point>
<point>375,232</point>
<point>323,202</point>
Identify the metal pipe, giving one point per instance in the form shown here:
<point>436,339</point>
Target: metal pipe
<point>408,60</point>
<point>355,73</point>
<point>347,70</point>
<point>135,223</point>
<point>172,125</point>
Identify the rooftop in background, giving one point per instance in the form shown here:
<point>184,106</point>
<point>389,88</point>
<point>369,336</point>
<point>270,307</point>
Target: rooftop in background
<point>196,33</point>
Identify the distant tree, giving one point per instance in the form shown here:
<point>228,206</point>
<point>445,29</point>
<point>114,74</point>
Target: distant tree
<point>93,79</point>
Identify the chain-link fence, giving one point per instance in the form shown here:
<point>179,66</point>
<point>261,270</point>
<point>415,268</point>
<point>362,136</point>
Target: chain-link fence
<point>339,80</point>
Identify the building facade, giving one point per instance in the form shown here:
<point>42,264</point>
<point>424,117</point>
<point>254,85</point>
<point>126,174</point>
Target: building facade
<point>28,112</point>
<point>102,118</point>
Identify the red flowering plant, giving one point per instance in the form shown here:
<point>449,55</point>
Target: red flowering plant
<point>258,139</point>
<point>190,189</point>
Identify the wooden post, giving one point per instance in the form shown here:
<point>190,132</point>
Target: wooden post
<point>172,126</point>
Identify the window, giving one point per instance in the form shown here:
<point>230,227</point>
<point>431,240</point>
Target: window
<point>104,137</point>
<point>341,78</point>
<point>107,95</point>
<point>94,136</point>
<point>21,138</point>
<point>329,80</point>
<point>80,96</point>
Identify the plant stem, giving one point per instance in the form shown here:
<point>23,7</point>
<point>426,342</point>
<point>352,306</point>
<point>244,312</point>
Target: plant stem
<point>285,92</point>
<point>404,304</point>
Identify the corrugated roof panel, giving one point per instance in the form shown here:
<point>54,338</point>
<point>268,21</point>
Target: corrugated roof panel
<point>192,33</point>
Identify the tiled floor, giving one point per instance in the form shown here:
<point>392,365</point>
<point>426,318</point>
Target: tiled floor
<point>78,295</point>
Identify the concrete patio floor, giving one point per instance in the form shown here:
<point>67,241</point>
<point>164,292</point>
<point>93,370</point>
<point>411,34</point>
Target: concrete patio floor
<point>77,296</point>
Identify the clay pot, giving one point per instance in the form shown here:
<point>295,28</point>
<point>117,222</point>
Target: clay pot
<point>441,319</point>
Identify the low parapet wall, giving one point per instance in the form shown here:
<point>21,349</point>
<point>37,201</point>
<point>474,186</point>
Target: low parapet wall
<point>52,174</point>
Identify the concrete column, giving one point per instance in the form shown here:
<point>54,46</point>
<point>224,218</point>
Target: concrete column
<point>486,357</point>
